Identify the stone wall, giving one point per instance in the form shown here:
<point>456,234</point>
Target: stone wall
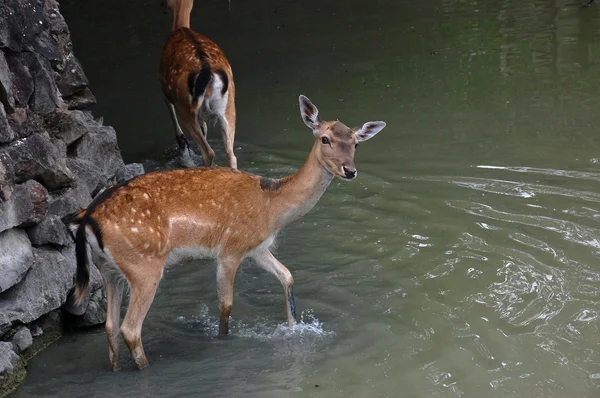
<point>54,157</point>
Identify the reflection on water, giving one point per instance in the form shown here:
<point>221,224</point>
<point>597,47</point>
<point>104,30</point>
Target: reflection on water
<point>465,259</point>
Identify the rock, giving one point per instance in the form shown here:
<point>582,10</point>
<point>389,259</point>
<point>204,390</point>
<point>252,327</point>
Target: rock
<point>45,93</point>
<point>16,256</point>
<point>24,123</point>
<point>51,230</point>
<point>87,173</point>
<point>49,321</point>
<point>6,132</point>
<point>24,205</point>
<point>71,80</point>
<point>7,176</point>
<point>8,358</point>
<point>81,100</point>
<point>70,126</point>
<point>36,331</point>
<point>6,85</point>
<point>96,284</point>
<point>129,171</point>
<point>21,79</point>
<point>44,289</point>
<point>101,149</point>
<point>95,313</point>
<point>22,339</point>
<point>37,158</point>
<point>70,202</point>
<point>22,22</point>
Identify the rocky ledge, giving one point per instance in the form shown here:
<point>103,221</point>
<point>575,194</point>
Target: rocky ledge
<point>54,157</point>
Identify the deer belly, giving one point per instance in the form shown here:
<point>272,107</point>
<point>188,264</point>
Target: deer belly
<point>180,254</point>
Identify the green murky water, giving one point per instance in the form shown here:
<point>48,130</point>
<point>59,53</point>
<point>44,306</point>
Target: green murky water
<point>465,259</point>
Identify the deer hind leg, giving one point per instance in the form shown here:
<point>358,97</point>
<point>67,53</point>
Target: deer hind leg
<point>226,271</point>
<point>227,122</point>
<point>192,125</point>
<point>114,296</point>
<point>143,284</point>
<point>269,263</point>
<point>185,153</point>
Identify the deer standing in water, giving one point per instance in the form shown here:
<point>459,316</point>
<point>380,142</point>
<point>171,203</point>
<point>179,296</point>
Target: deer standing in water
<point>218,212</point>
<point>197,83</point>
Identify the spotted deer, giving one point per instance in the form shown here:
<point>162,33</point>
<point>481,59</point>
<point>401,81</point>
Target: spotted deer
<point>197,84</point>
<point>134,229</point>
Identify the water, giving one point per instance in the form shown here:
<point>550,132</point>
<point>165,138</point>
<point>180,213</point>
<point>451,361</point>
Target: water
<point>463,261</point>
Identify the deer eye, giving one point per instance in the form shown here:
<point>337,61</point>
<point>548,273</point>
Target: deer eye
<point>325,140</point>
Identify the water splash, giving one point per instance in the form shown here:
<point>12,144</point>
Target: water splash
<point>309,327</point>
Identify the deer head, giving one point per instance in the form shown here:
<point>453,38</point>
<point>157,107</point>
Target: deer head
<point>338,142</point>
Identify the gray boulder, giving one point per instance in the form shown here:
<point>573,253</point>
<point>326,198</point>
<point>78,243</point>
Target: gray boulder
<point>51,230</point>
<point>23,20</point>
<point>101,149</point>
<point>96,283</point>
<point>35,157</point>
<point>16,256</point>
<point>24,122</point>
<point>95,312</point>
<point>6,132</point>
<point>87,173</point>
<point>80,100</point>
<point>21,79</point>
<point>8,358</point>
<point>22,339</point>
<point>70,202</point>
<point>23,205</point>
<point>129,171</point>
<point>45,93</point>
<point>6,85</point>
<point>44,289</point>
<point>70,126</point>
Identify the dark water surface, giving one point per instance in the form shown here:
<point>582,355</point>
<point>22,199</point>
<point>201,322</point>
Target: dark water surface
<point>465,259</point>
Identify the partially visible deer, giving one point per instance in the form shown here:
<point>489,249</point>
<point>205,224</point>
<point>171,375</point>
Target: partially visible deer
<point>197,83</point>
<point>132,228</point>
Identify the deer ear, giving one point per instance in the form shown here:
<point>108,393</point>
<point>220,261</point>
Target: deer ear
<point>309,112</point>
<point>368,130</point>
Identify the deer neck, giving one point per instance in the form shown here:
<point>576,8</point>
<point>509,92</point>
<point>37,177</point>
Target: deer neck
<point>181,14</point>
<point>301,191</point>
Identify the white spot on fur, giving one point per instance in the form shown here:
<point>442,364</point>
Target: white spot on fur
<point>133,210</point>
<point>146,196</point>
<point>146,245</point>
<point>135,230</point>
<point>148,212</point>
<point>151,229</point>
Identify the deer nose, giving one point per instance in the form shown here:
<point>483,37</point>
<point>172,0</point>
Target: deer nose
<point>349,174</point>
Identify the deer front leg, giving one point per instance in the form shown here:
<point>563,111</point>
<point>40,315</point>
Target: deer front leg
<point>269,263</point>
<point>226,271</point>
